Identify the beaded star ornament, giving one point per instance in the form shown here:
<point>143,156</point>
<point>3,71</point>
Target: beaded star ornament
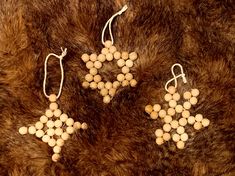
<point>54,127</point>
<point>94,63</point>
<point>176,113</point>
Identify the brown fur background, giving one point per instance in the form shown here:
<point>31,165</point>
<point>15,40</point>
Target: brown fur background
<point>120,141</point>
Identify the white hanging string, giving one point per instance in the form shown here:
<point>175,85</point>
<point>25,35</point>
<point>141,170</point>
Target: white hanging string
<point>182,75</point>
<point>109,22</point>
<point>64,52</point>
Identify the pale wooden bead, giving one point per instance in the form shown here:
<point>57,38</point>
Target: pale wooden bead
<point>125,83</point>
<point>175,137</point>
<point>58,131</point>
<point>172,103</point>
<point>125,70</point>
<point>60,142</point>
<point>57,113</point>
<point>32,130</point>
<point>195,92</point>
<point>117,55</point>
<point>180,130</point>
<point>52,98</point>
<point>112,49</point>
<point>193,100</point>
<point>116,84</point>
<point>50,124</point>
<point>167,119</point>
<point>125,55</point>
<point>100,85</point>
<point>174,124</point>
<point>197,125</point>
<point>159,133</point>
<point>180,145</point>
<point>112,92</point>
<point>85,84</point>
<point>101,58</point>
<point>108,44</point>
<point>205,122</point>
<point>77,125</point>
<point>58,123</point>
<point>166,127</point>
<point>55,157</point>
<point>105,51</point>
<point>93,85</point>
<point>133,56</point>
<point>187,95</point>
<point>109,57</point>
<point>93,71</point>
<point>49,113</point>
<point>70,130</point>
<point>157,107</point>
<point>52,142</point>
<point>178,108</point>
<point>176,96</point>
<point>23,130</point>
<point>183,121</point>
<point>171,90</point>
<point>39,125</point>
<point>129,63</point>
<point>108,85</point>
<point>69,122</point>
<point>121,62</point>
<point>187,105</point>
<point>89,65</point>
<point>148,109</point>
<point>162,113</point>
<point>184,137</point>
<point>93,57</point>
<point>191,120</point>
<point>154,115</point>
<point>65,136</point>
<point>128,76</point>
<point>185,114</point>
<point>171,111</point>
<point>89,77</point>
<point>159,141</point>
<point>166,136</point>
<point>106,99</point>
<point>39,133</point>
<point>133,83</point>
<point>63,117</point>
<point>97,64</point>
<point>168,97</point>
<point>85,57</point>
<point>97,78</point>
<point>50,132</point>
<point>43,119</point>
<point>57,149</point>
<point>120,77</point>
<point>104,92</point>
<point>46,138</point>
<point>198,117</point>
<point>53,106</point>
<point>84,126</point>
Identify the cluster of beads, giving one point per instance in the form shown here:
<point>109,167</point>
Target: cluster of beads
<point>94,80</point>
<point>175,129</point>
<point>53,128</point>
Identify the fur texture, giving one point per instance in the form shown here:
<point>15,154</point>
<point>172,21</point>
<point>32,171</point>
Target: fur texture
<point>120,141</point>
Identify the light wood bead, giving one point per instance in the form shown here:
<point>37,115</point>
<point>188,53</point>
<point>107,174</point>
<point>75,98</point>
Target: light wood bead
<point>32,130</point>
<point>97,64</point>
<point>39,125</point>
<point>128,76</point>
<point>159,141</point>
<point>112,49</point>
<point>49,113</point>
<point>104,92</point>
<point>171,111</point>
<point>97,78</point>
<point>187,105</point>
<point>105,51</point>
<point>133,83</point>
<point>172,103</point>
<point>129,63</point>
<point>70,130</point>
<point>52,142</point>
<point>191,120</point>
<point>89,65</point>
<point>180,130</point>
<point>39,133</point>
<point>106,99</point>
<point>180,145</point>
<point>77,125</point>
<point>109,57</point>
<point>84,126</point>
<point>89,77</point>
<point>85,84</point>
<point>125,83</point>
<point>187,95</point>
<point>60,142</point>
<point>174,124</point>
<point>162,113</point>
<point>176,96</point>
<point>159,133</point>
<point>197,125</point>
<point>125,70</point>
<point>168,97</point>
<point>121,62</point>
<point>120,77</point>
<point>112,92</point>
<point>195,92</point>
<point>93,57</point>
<point>133,56</point>
<point>57,149</point>
<point>57,113</point>
<point>65,136</point>
<point>46,138</point>
<point>166,136</point>
<point>193,100</point>
<point>69,122</point>
<point>205,122</point>
<point>183,121</point>
<point>50,124</point>
<point>167,119</point>
<point>198,117</point>
<point>53,106</point>
<point>50,132</point>
<point>116,84</point>
<point>23,130</point>
<point>157,107</point>
<point>43,119</point>
<point>148,109</point>
<point>101,58</point>
<point>184,137</point>
<point>55,157</point>
<point>108,85</point>
<point>93,71</point>
<point>108,44</point>
<point>93,85</point>
<point>185,114</point>
<point>125,55</point>
<point>52,98</point>
<point>167,127</point>
<point>63,117</point>
<point>154,115</point>
<point>85,57</point>
<point>58,131</point>
<point>117,55</point>
<point>58,123</point>
<point>171,90</point>
<point>100,85</point>
<point>179,108</point>
<point>175,137</point>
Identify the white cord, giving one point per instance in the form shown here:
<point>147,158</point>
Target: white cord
<point>176,77</point>
<point>64,52</point>
<point>109,22</point>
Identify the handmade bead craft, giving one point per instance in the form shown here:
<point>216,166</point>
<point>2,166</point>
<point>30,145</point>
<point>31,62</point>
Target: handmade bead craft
<point>177,106</point>
<point>54,127</point>
<point>94,62</point>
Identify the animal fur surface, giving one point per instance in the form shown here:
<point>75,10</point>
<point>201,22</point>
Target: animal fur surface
<point>120,141</point>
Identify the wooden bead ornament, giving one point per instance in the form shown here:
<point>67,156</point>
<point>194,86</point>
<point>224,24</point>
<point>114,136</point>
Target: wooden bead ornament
<point>53,126</point>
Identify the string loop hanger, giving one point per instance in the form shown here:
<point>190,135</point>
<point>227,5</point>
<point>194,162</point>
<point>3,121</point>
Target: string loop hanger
<point>109,23</point>
<point>182,75</point>
<point>60,57</point>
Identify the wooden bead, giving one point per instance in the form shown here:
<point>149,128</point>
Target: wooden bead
<point>100,85</point>
<point>121,62</point>
<point>129,63</point>
<point>185,114</point>
<point>171,111</point>
<point>89,77</point>
<point>167,127</point>
<point>133,83</point>
<point>93,57</point>
<point>154,115</point>
<point>50,132</point>
<point>85,84</point>
<point>108,85</point>
<point>63,117</point>
<point>157,107</point>
<point>197,125</point>
<point>125,55</point>
<point>159,141</point>
<point>57,113</point>
<point>104,92</point>
<point>105,51</point>
<point>159,133</point>
<point>39,133</point>
<point>178,108</point>
<point>171,90</point>
<point>60,142</point>
<point>55,157</point>
<point>195,92</point>
<point>133,56</point>
<point>120,77</point>
<point>116,84</point>
<point>205,122</point>
<point>162,113</point>
<point>65,136</point>
<point>128,76</point>
<point>172,103</point>
<point>58,131</point>
<point>93,85</point>
<point>148,109</point>
<point>53,106</point>
<point>168,97</point>
<point>57,149</point>
<point>46,138</point>
<point>183,121</point>
<point>97,64</point>
<point>77,125</point>
<point>109,57</point>
<point>184,137</point>
<point>187,95</point>
<point>180,130</point>
<point>112,92</point>
<point>187,105</point>
<point>43,119</point>
<point>58,123</point>
<point>176,96</point>
<point>52,98</point>
<point>193,100</point>
<point>70,130</point>
<point>69,122</point>
<point>52,142</point>
<point>117,55</point>
<point>85,57</point>
<point>166,136</point>
<point>93,71</point>
<point>175,137</point>
<point>23,130</point>
<point>49,113</point>
<point>50,124</point>
<point>101,58</point>
<point>39,125</point>
<point>107,99</point>
<point>174,124</point>
<point>180,145</point>
<point>167,119</point>
<point>191,120</point>
<point>89,65</point>
<point>125,70</point>
<point>108,44</point>
<point>32,130</point>
<point>97,78</point>
<point>112,49</point>
<point>84,126</point>
<point>198,117</point>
